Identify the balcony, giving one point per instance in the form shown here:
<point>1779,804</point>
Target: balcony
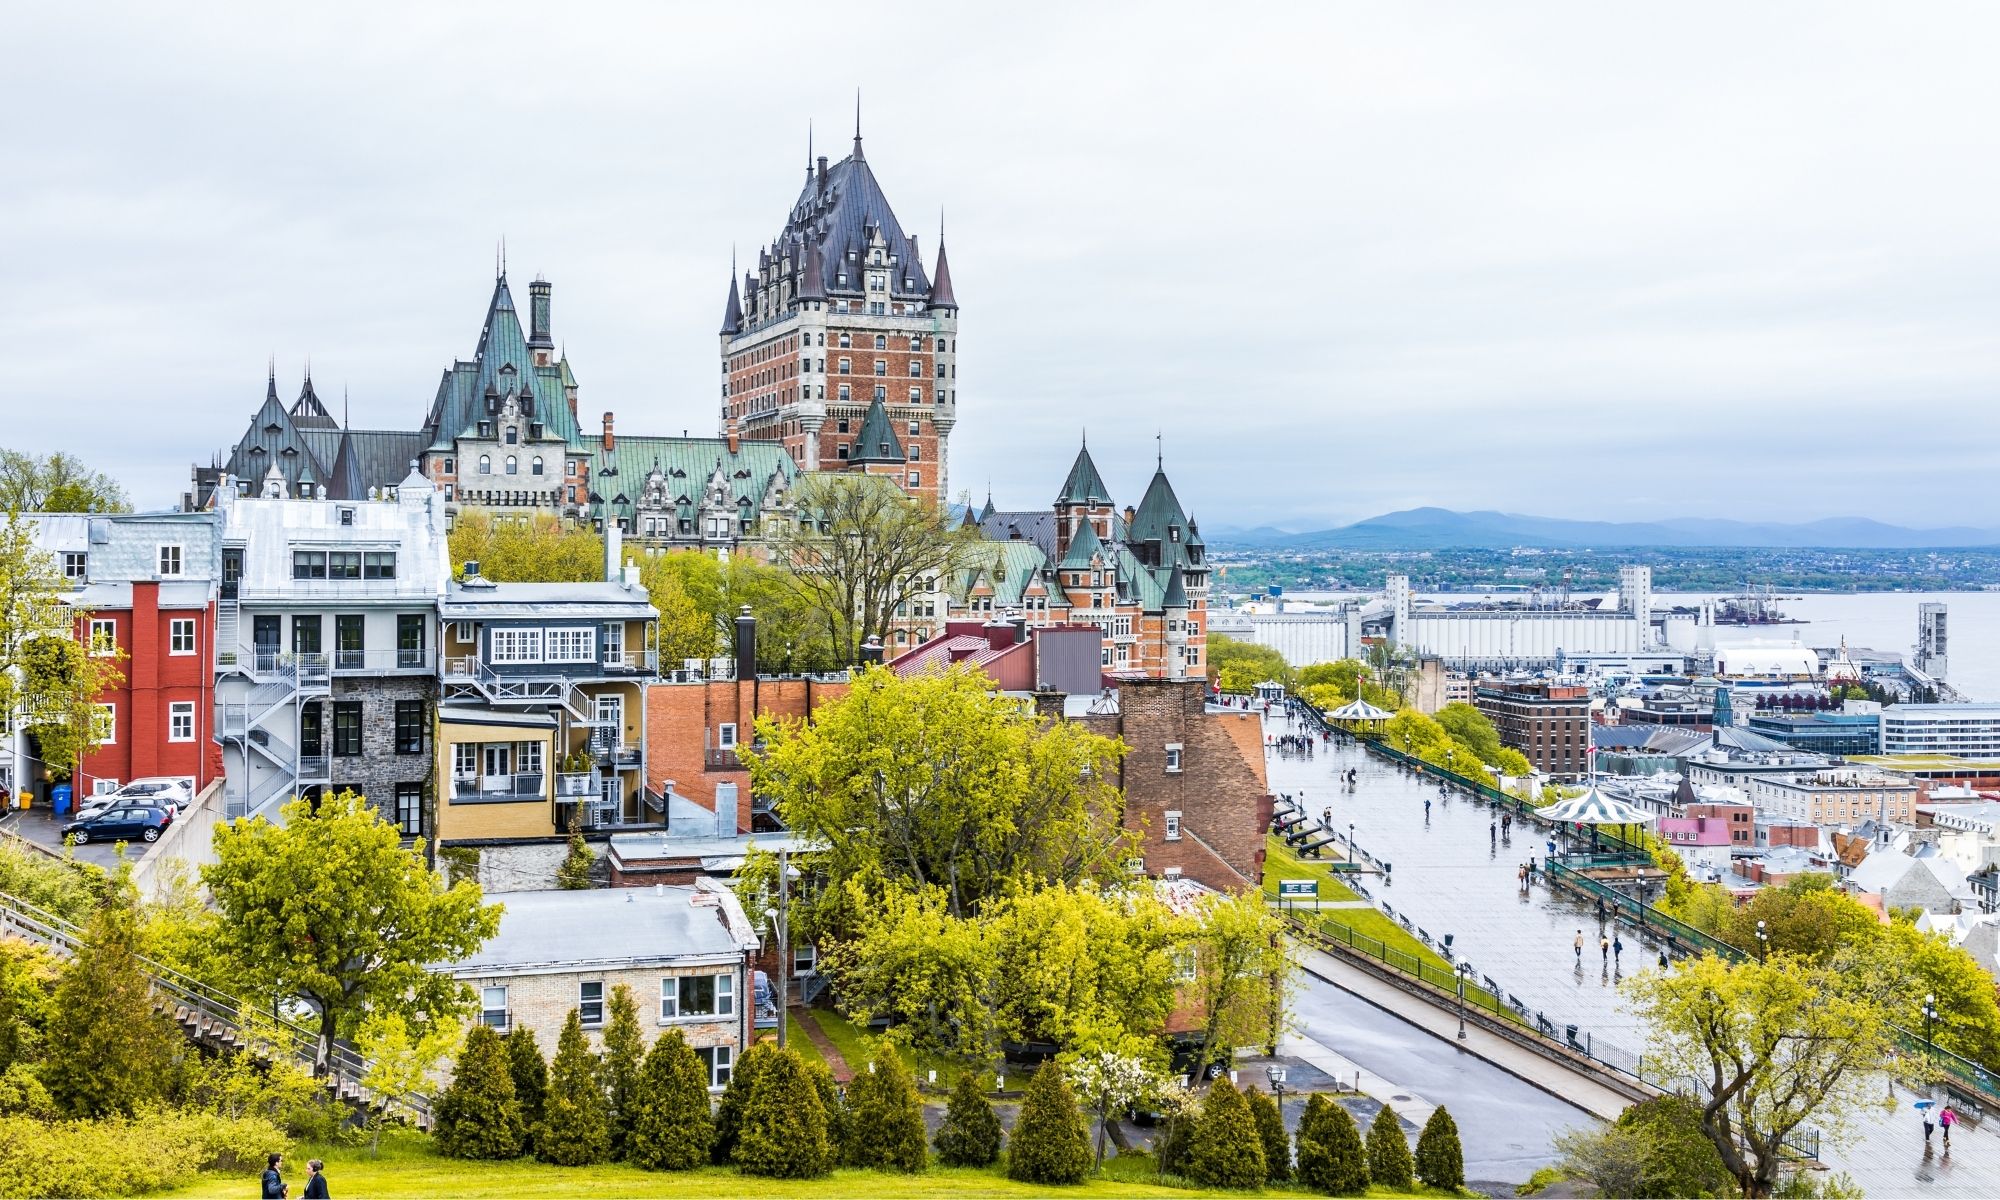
<point>498,787</point>
<point>632,660</point>
<point>378,661</point>
<point>314,768</point>
<point>724,759</point>
<point>614,754</point>
<point>575,784</point>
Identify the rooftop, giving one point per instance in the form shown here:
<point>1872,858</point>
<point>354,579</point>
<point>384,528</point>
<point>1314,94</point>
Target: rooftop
<point>564,930</point>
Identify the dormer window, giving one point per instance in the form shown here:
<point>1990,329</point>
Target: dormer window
<point>512,436</point>
<point>486,429</point>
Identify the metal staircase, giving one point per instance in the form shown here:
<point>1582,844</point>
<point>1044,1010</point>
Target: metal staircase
<point>262,722</point>
<point>473,676</point>
<point>218,1021</point>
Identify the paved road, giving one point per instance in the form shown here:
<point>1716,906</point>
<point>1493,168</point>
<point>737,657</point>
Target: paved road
<point>37,825</point>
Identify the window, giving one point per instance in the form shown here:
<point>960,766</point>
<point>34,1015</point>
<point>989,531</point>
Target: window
<point>725,736</point>
<point>805,960</point>
<point>915,479</point>
<point>180,635</point>
<point>528,758</point>
<point>75,564</point>
<point>881,342</point>
<point>486,464</point>
<point>104,724</point>
<point>347,728</point>
<point>305,634</point>
<point>180,721</point>
<point>881,393</point>
<point>687,996</point>
<point>590,1002</point>
<point>308,564</point>
<point>346,514</point>
<point>513,465</point>
<point>103,637</point>
<point>718,1060</point>
<point>311,717</point>
<point>449,467</point>
<point>170,560</point>
<point>1173,758</point>
<point>465,760</point>
<point>846,365</point>
<point>493,1007</point>
<point>843,450</point>
<point>410,727</point>
<point>378,564</point>
<point>516,645</point>
<point>881,366</point>
<point>349,641</point>
<point>1173,825</point>
<point>409,639</point>
<point>343,564</point>
<point>512,435</point>
<point>535,468</point>
<point>840,426</point>
<point>916,369</point>
<point>410,813</point>
<point>570,646</point>
<point>916,453</point>
<point>103,787</point>
<point>913,428</point>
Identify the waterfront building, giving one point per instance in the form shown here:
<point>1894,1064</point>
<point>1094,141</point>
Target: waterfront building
<point>1546,720</point>
<point>1829,733</point>
<point>1836,797</point>
<point>1959,730</point>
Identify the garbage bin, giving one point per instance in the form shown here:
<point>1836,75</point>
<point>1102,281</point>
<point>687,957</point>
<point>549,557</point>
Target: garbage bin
<point>59,799</point>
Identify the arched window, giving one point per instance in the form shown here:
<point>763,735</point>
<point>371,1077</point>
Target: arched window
<point>486,464</point>
<point>512,436</point>
<point>881,343</point>
<point>513,465</point>
<point>535,468</point>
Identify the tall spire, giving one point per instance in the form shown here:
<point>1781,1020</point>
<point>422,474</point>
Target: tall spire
<point>941,294</point>
<point>809,148</point>
<point>857,125</point>
<point>271,380</point>
<point>732,312</point>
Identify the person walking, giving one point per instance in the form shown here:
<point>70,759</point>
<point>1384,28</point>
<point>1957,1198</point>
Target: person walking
<point>316,1181</point>
<point>1604,948</point>
<point>1427,810</point>
<point>1923,1108</point>
<point>1947,1119</point>
<point>1663,960</point>
<point>1617,947</point>
<point>1493,832</point>
<point>1579,949</point>
<point>274,1181</point>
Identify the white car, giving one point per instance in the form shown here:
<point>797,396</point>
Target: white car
<point>171,792</point>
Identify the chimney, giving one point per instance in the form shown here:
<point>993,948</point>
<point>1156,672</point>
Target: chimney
<point>614,550</point>
<point>735,442</point>
<point>822,173</point>
<point>746,644</point>
<point>1131,515</point>
<point>472,568</point>
<point>538,316</point>
<point>610,442</point>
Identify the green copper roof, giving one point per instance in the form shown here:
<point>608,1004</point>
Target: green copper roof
<point>502,361</point>
<point>676,474</point>
<point>1176,596</point>
<point>1083,547</point>
<point>877,441</point>
<point>1084,485</point>
<point>1009,568</point>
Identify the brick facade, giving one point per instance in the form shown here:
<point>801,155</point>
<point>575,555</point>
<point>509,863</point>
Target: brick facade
<point>1547,722</point>
<point>684,732</point>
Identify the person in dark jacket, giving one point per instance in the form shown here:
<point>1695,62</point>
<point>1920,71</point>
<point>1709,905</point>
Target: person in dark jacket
<point>316,1181</point>
<point>274,1183</point>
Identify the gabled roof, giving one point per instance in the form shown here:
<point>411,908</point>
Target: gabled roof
<point>1084,485</point>
<point>273,440</point>
<point>502,356</point>
<point>877,442</point>
<point>308,412</point>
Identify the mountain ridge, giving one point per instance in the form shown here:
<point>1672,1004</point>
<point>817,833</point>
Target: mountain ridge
<point>1432,528</point>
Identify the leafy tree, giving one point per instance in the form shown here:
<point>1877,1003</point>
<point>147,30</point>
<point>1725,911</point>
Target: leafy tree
<point>108,1053</point>
<point>1440,1158</point>
<point>1242,974</point>
<point>970,1135</point>
<point>861,547</point>
<point>1082,967</point>
<point>1807,917</point>
<point>1179,1113</point>
<point>623,1057</point>
<point>908,957</point>
<point>1470,728</point>
<point>47,675</point>
<point>573,874</point>
<point>736,1098</point>
<point>1238,667</point>
<point>399,1063</point>
<point>530,1072</point>
<point>670,1127</point>
<point>329,907</point>
<point>478,1115</point>
<point>1676,1157</point>
<point>1611,1158</point>
<point>57,482</point>
<point>936,781</point>
<point>576,1121</point>
<point>1772,1045</point>
<point>541,549</point>
<point>700,596</point>
<point>883,1101</point>
<point>1271,1128</point>
<point>783,1130</point>
<point>1050,1144</point>
<point>1388,1151</point>
<point>1110,1081</point>
<point>1331,1158</point>
<point>1227,1151</point>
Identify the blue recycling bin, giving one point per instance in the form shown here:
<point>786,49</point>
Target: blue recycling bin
<point>59,798</point>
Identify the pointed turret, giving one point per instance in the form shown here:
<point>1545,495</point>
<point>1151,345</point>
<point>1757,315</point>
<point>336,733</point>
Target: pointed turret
<point>271,384</point>
<point>1160,513</point>
<point>988,510</point>
<point>1176,596</point>
<point>1083,548</point>
<point>941,296</point>
<point>732,312</point>
<point>1084,485</point>
<point>877,441</point>
<point>346,482</point>
<point>812,281</point>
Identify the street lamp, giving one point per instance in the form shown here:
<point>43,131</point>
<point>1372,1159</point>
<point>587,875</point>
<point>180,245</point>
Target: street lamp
<point>1930,1017</point>
<point>1464,973</point>
<point>1450,756</point>
<point>1350,843</point>
<point>1763,942</point>
<point>1276,1074</point>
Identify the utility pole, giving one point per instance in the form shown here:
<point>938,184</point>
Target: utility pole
<point>780,934</point>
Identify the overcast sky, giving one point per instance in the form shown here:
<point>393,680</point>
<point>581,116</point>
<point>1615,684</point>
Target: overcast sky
<point>1576,260</point>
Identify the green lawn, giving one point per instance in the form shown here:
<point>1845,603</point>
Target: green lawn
<point>853,1043</point>
<point>407,1167</point>
<point>1281,863</point>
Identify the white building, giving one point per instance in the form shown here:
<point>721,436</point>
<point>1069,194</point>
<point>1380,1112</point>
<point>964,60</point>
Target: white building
<point>1960,730</point>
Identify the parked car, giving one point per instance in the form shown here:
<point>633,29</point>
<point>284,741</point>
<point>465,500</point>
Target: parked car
<point>121,824</point>
<point>159,791</point>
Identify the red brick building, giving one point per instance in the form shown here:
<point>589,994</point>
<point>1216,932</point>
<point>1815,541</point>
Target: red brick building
<point>1547,721</point>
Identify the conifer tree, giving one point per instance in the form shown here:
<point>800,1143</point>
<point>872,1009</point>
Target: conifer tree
<point>478,1116</point>
<point>1227,1151</point>
<point>883,1101</point>
<point>1331,1158</point>
<point>1050,1143</point>
<point>1388,1151</point>
<point>970,1135</point>
<point>840,1126</point>
<point>107,1051</point>
<point>624,1055</point>
<point>1271,1128</point>
<point>576,1121</point>
<point>1440,1158</point>
<point>670,1128</point>
<point>531,1079</point>
<point>573,874</point>
<point>783,1129</point>
<point>735,1097</point>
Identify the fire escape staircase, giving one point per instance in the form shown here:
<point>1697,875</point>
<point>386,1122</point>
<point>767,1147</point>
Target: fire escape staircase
<point>261,722</point>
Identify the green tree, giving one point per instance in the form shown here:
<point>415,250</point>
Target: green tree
<point>1440,1158</point>
<point>543,548</point>
<point>1227,1151</point>
<point>1112,1079</point>
<point>576,1121</point>
<point>107,1052</point>
<point>841,1128</point>
<point>478,1115</point>
<point>700,597</point>
<point>1179,1113</point>
<point>1271,1128</point>
<point>399,1063</point>
<point>623,1057</point>
<point>736,1098</point>
<point>937,781</point>
<point>1389,1151</point>
<point>883,1101</point>
<point>1331,1159</point>
<point>783,1130</point>
<point>1470,728</point>
<point>530,1072</point>
<point>573,874</point>
<point>1050,1144</point>
<point>671,1129</point>
<point>1082,967</point>
<point>1807,917</point>
<point>48,677</point>
<point>56,483</point>
<point>1675,1158</point>
<point>1242,974</point>
<point>1238,667</point>
<point>329,907</point>
<point>970,1135</point>
<point>1772,1045</point>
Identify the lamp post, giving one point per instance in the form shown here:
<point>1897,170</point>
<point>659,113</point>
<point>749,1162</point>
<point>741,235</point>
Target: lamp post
<point>1464,973</point>
<point>1350,843</point>
<point>1450,757</point>
<point>1763,942</point>
<point>1276,1074</point>
<point>1930,1017</point>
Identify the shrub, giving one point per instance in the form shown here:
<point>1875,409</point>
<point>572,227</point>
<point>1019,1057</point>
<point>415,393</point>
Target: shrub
<point>1331,1159</point>
<point>1440,1159</point>
<point>624,1053</point>
<point>576,1122</point>
<point>1050,1143</point>
<point>735,1097</point>
<point>574,873</point>
<point>1271,1128</point>
<point>1176,1132</point>
<point>1388,1151</point>
<point>22,1094</point>
<point>883,1101</point>
<point>478,1115</point>
<point>530,1072</point>
<point>783,1130</point>
<point>840,1126</point>
<point>670,1128</point>
<point>970,1135</point>
<point>1675,1156</point>
<point>121,1157</point>
<point>1227,1151</point>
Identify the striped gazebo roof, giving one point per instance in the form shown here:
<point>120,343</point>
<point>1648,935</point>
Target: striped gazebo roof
<point>1358,710</point>
<point>1595,808</point>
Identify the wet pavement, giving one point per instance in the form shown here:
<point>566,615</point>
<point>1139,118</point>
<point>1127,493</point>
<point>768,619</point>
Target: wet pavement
<point>40,826</point>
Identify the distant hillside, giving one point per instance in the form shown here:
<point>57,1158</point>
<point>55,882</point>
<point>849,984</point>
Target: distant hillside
<point>1441,528</point>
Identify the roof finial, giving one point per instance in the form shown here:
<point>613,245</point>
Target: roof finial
<point>1159,451</point>
<point>857,122</point>
<point>345,422</point>
<point>499,272</point>
<point>809,147</point>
